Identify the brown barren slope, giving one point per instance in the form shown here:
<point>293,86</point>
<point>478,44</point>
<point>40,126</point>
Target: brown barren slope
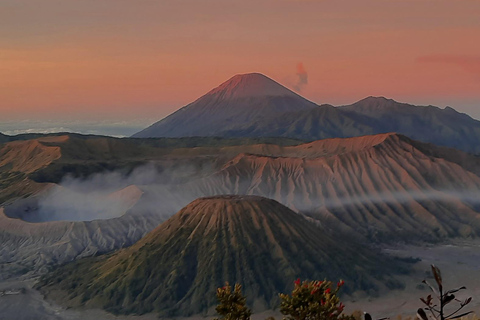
<point>28,156</point>
<point>383,186</point>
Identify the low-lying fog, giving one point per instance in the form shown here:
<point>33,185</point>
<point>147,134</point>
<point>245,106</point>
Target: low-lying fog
<point>149,190</point>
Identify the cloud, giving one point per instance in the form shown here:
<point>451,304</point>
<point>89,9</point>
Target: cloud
<point>405,196</point>
<point>470,63</point>
<point>302,79</point>
<point>114,128</point>
<point>37,130</point>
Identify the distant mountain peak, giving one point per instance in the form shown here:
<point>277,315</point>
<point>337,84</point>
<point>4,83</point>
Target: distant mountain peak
<point>375,98</point>
<point>239,101</point>
<point>250,85</point>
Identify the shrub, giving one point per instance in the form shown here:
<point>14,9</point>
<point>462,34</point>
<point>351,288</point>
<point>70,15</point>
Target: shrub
<point>232,304</point>
<point>313,300</point>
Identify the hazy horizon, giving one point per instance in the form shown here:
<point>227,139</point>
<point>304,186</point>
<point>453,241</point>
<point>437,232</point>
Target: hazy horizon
<point>113,128</point>
<point>108,127</point>
<point>121,60</point>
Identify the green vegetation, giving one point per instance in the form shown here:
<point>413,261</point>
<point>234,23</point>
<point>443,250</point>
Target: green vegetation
<point>313,300</point>
<point>318,300</point>
<point>309,300</point>
<point>232,304</point>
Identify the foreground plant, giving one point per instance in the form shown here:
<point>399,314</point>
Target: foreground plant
<point>314,300</point>
<point>232,305</point>
<point>438,311</point>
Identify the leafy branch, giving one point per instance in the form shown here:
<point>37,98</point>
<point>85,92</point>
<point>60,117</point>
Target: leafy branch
<point>437,311</point>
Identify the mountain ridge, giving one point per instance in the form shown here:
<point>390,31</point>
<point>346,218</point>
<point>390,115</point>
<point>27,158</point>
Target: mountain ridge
<point>385,188</point>
<point>267,112</point>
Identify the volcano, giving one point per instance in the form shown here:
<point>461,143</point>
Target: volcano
<point>253,105</point>
<point>252,240</point>
<point>243,99</point>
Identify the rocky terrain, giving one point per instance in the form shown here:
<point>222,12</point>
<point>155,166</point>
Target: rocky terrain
<point>47,219</point>
<point>385,186</point>
<point>78,196</point>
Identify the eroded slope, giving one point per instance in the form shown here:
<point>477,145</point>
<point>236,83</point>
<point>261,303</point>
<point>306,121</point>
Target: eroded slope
<point>177,267</point>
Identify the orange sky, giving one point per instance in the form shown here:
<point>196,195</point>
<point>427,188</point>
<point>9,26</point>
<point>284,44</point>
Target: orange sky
<point>123,59</point>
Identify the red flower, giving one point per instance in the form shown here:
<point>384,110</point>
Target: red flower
<point>327,290</point>
<point>297,282</point>
<point>340,283</point>
<point>322,302</point>
<point>313,291</point>
<point>341,307</point>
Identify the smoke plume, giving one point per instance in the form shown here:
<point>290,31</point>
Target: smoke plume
<point>302,77</point>
<point>110,195</point>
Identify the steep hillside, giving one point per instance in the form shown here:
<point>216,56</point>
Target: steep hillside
<point>43,223</point>
<point>240,100</point>
<point>386,187</point>
<point>29,156</point>
<point>29,166</point>
<point>18,160</point>
<point>444,127</point>
<point>323,122</point>
<point>36,247</point>
<point>176,268</point>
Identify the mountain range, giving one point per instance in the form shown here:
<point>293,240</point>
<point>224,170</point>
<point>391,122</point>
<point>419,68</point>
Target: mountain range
<point>253,105</point>
<point>317,188</point>
<point>381,188</point>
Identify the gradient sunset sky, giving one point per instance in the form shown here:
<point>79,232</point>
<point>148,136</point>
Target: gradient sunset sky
<point>130,60</point>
